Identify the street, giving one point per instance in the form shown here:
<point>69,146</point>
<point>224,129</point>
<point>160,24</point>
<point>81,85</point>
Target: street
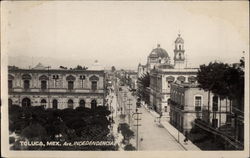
<point>152,135</point>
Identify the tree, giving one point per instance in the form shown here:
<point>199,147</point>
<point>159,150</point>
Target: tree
<point>143,84</point>
<point>126,132</point>
<point>226,81</point>
<point>79,67</point>
<point>113,69</point>
<point>129,147</point>
<point>37,123</point>
<point>62,67</point>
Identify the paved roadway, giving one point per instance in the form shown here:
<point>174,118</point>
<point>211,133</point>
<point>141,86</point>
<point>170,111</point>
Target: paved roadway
<point>154,136</point>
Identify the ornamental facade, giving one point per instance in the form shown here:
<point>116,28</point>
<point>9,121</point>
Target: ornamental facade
<point>163,73</point>
<point>56,88</point>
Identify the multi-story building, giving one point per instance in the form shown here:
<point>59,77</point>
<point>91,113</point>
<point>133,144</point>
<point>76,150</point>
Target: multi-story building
<point>160,81</point>
<point>141,70</point>
<point>238,119</point>
<point>188,102</point>
<point>56,88</point>
<point>131,77</point>
<point>163,73</point>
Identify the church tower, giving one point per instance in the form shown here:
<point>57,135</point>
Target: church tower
<point>179,58</point>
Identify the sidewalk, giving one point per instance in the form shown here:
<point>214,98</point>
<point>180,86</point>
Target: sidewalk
<point>174,132</point>
<point>118,120</point>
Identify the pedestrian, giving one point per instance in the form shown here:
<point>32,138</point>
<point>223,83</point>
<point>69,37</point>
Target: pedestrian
<point>160,117</point>
<point>186,137</point>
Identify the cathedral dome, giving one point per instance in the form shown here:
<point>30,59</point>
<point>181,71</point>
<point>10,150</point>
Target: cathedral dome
<point>158,52</point>
<point>179,39</point>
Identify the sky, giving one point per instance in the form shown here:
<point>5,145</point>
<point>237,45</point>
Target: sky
<point>122,34</point>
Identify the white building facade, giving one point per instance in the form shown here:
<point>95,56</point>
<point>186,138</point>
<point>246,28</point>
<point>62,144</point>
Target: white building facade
<point>56,88</point>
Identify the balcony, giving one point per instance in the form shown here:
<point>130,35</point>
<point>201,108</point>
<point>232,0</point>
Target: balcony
<point>177,105</point>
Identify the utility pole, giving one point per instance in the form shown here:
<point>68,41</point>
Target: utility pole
<point>137,127</point>
<point>124,101</point>
<point>129,110</point>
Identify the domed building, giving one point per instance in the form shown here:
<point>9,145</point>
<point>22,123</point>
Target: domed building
<point>157,57</point>
<point>163,74</point>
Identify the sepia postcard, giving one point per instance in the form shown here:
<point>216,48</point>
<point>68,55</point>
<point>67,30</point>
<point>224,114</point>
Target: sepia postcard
<point>125,79</point>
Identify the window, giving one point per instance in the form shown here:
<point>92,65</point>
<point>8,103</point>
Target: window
<point>215,103</point>
<point>26,84</point>
<point>26,102</point>
<point>94,85</point>
<point>215,123</point>
<point>55,104</point>
<point>198,102</point>
<point>10,84</point>
<point>70,103</point>
<point>179,55</point>
<point>55,80</point>
<point>70,85</point>
<point>179,47</point>
<point>82,103</point>
<point>166,109</point>
<point>93,104</point>
<point>43,84</point>
<point>43,102</point>
<point>82,78</point>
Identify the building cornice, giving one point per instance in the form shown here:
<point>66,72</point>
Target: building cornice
<point>57,93</point>
<point>56,71</point>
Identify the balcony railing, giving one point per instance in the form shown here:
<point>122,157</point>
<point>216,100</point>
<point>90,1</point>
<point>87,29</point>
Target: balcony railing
<point>177,105</point>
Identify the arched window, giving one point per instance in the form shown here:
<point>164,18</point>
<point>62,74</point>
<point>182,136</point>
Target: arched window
<point>26,84</point>
<point>191,79</point>
<point>179,55</point>
<point>93,104</point>
<point>82,103</point>
<point>70,103</point>
<point>26,102</point>
<point>170,79</point>
<point>181,78</point>
<point>215,103</point>
<point>10,102</point>
<point>55,104</point>
<point>43,102</point>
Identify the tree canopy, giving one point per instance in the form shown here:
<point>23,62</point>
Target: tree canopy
<point>222,79</point>
<point>143,84</point>
<point>80,124</point>
<point>113,68</point>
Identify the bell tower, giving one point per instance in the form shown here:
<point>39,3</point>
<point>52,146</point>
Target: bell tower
<point>179,58</point>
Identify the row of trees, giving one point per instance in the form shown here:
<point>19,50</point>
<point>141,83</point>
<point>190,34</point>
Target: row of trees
<point>143,84</point>
<point>66,125</point>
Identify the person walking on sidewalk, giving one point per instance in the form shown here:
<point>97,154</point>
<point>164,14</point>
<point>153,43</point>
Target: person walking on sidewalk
<point>186,137</point>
